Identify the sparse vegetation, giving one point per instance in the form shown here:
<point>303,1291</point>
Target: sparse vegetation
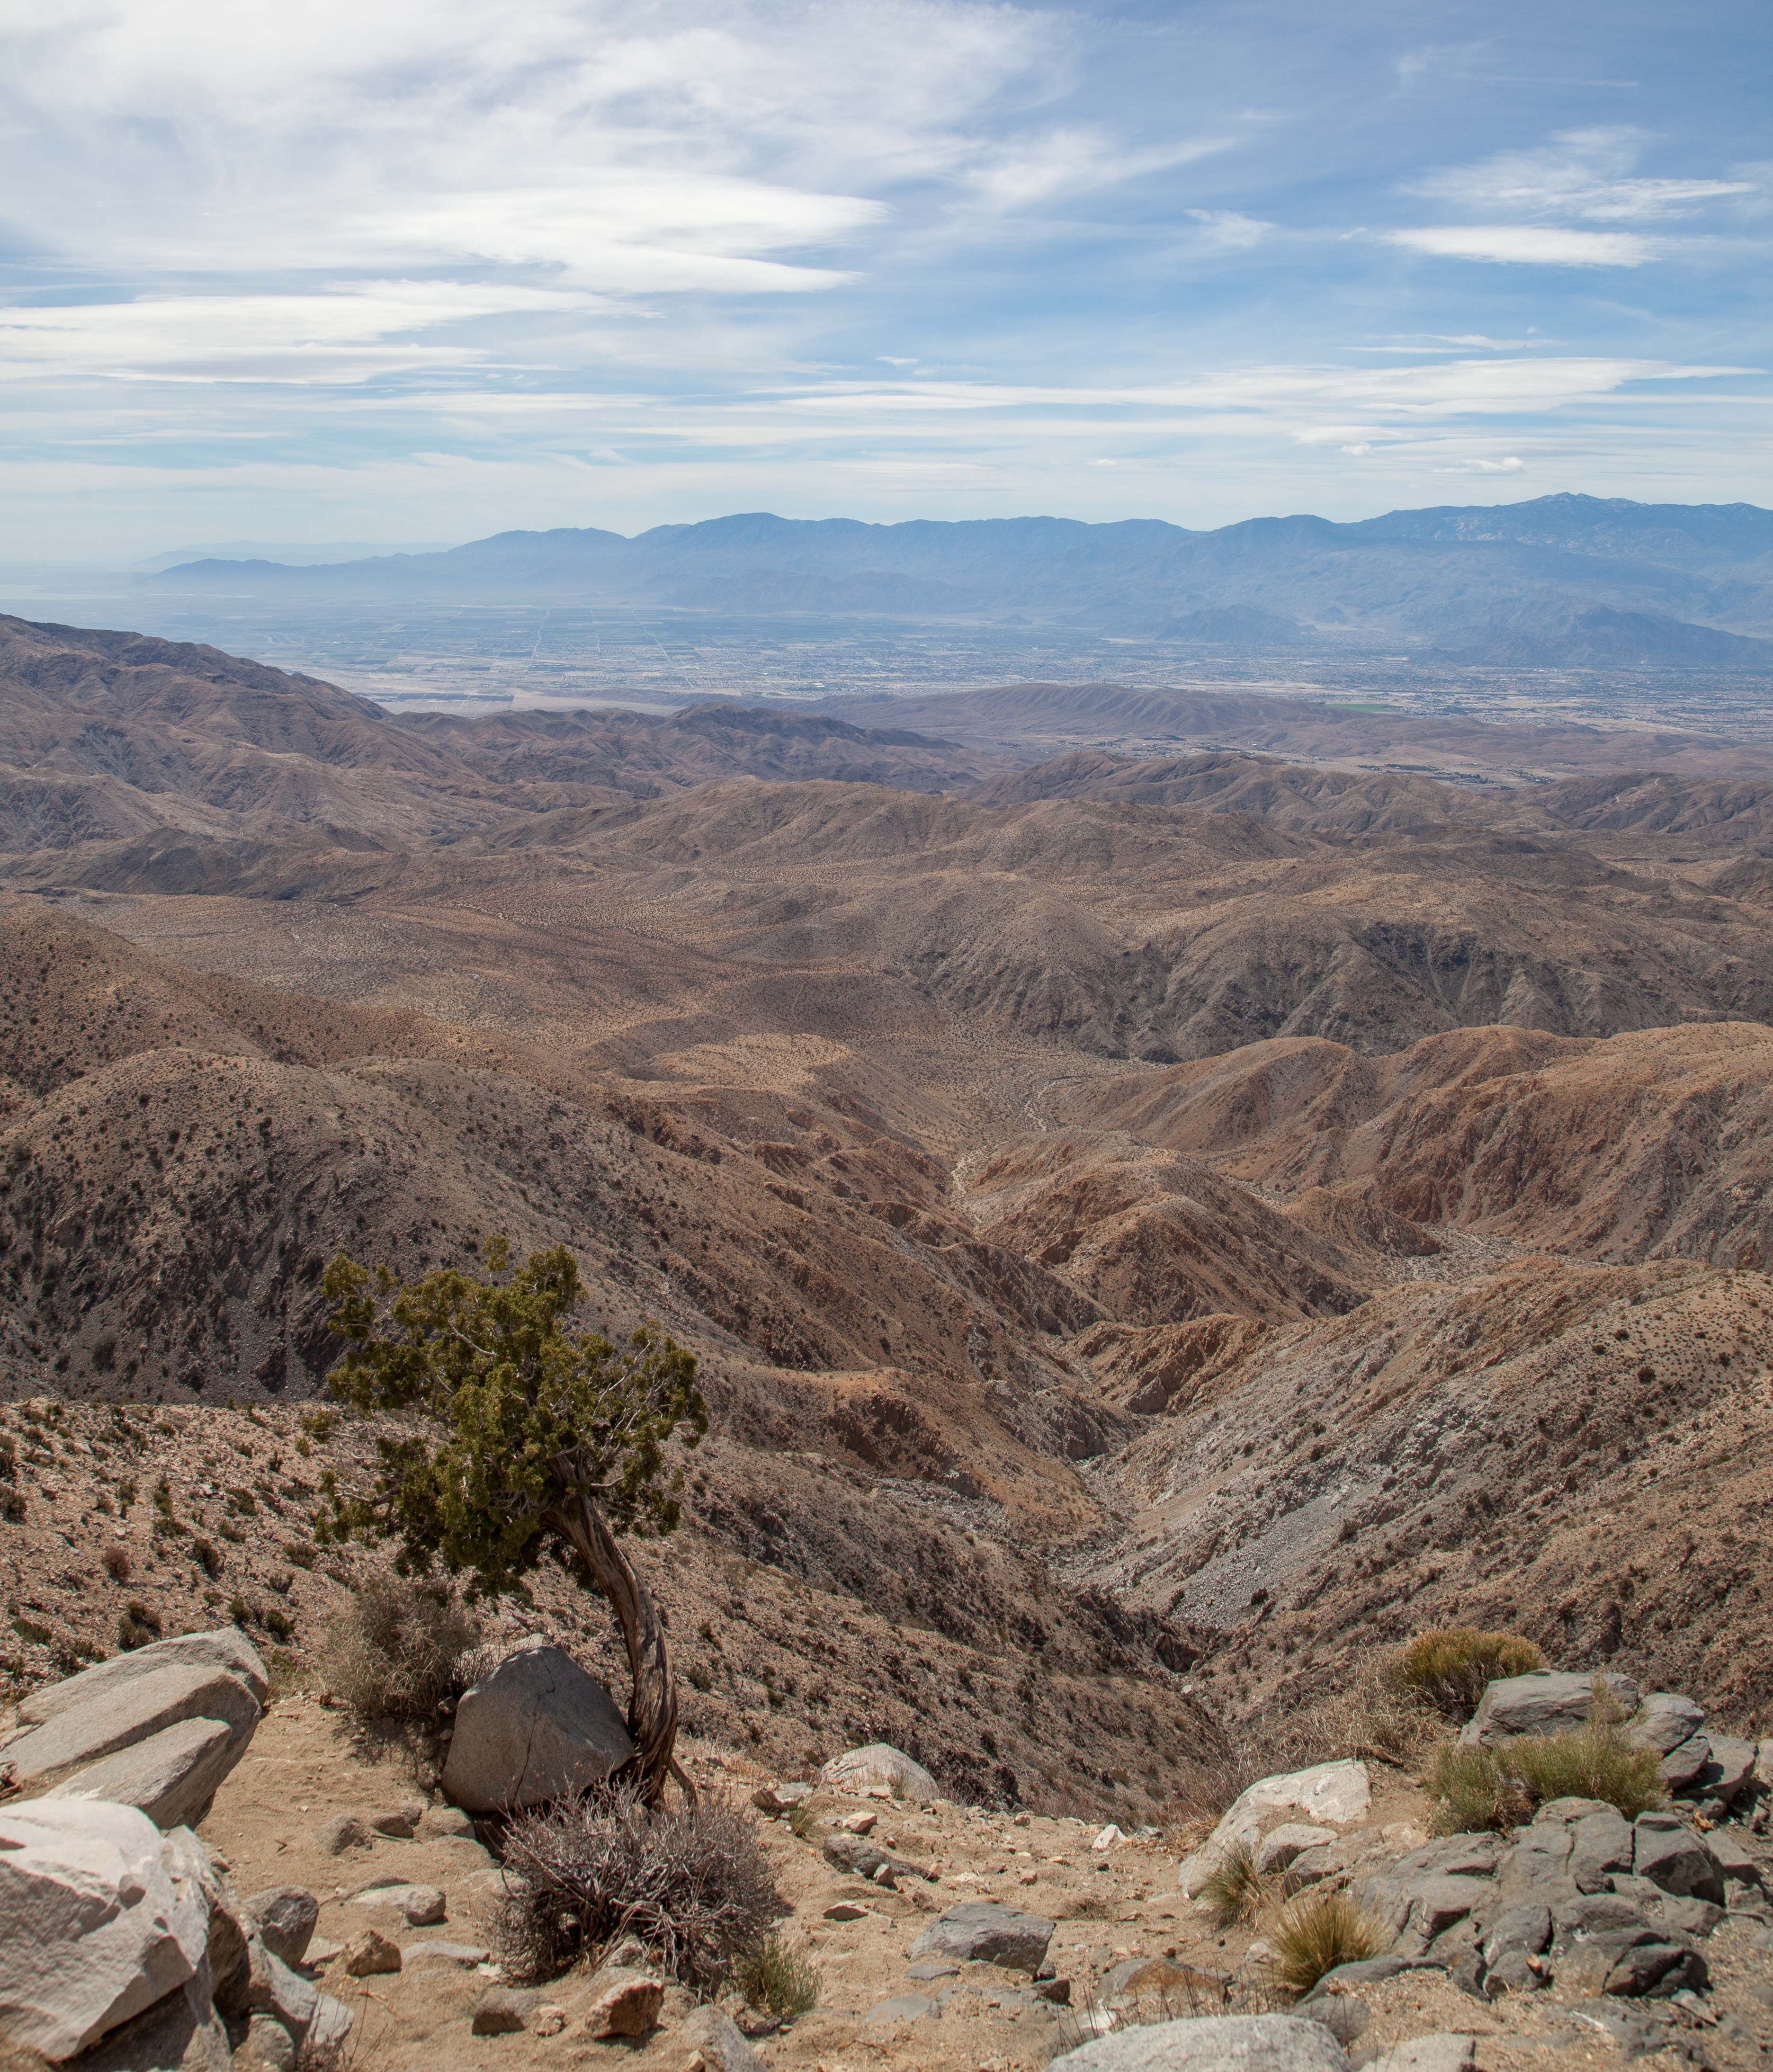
<point>691,1881</point>
<point>774,1975</point>
<point>116,1561</point>
<point>1316,1932</point>
<point>1498,1786</point>
<point>398,1648</point>
<point>1449,1668</point>
<point>138,1626</point>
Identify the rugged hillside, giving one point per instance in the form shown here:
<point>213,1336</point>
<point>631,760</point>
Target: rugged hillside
<point>1644,1146</point>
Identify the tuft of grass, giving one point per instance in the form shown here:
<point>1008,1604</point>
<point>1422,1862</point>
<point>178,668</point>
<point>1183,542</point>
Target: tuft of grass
<point>774,1975</point>
<point>1499,1786</point>
<point>1318,1931</point>
<point>1449,1667</point>
<point>691,1881</point>
<point>1237,1891</point>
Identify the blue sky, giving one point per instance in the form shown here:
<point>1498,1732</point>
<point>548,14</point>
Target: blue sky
<point>429,268</point>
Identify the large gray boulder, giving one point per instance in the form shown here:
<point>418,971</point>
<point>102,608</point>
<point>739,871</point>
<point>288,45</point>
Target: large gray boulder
<point>101,1916</point>
<point>1337,1792</point>
<point>980,1931</point>
<point>119,1714</point>
<point>857,1768</point>
<point>1213,2043</point>
<point>227,1648</point>
<point>172,1776</point>
<point>1672,1857</point>
<point>538,1727</point>
<point>1549,1701</point>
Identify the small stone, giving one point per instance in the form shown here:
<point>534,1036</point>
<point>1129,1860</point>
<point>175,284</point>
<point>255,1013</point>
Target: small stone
<point>979,1931</point>
<point>370,1954</point>
<point>287,1917</point>
<point>927,1968</point>
<point>550,2021</point>
<point>779,1798</point>
<point>320,1952</point>
<point>846,1910</point>
<point>401,1824</point>
<point>1058,1990</point>
<point>268,2044</point>
<point>712,2038</point>
<point>1110,1836</point>
<point>423,1906</point>
<point>464,1954</point>
<point>438,1822</point>
<point>342,1831</point>
<point>902,2007</point>
<point>859,1823</point>
<point>623,2001</point>
<point>504,2011</point>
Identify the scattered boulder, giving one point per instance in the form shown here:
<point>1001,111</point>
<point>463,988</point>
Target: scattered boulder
<point>227,1649</point>
<point>1213,2043</point>
<point>439,1823</point>
<point>537,1726</point>
<point>171,1776</point>
<point>401,1823</point>
<point>858,1768</point>
<point>1729,1770</point>
<point>370,1954</point>
<point>287,1918</point>
<point>774,1799</point>
<point>1631,1963</point>
<point>1337,1791</point>
<point>420,1906</point>
<point>1548,1701</point>
<point>1675,1859</point>
<point>624,2000</point>
<point>269,2047</point>
<point>120,1714</point>
<point>101,1918</point>
<point>980,1931</point>
<point>1663,1721</point>
<point>715,2044</point>
<point>862,1859</point>
<point>1685,1763</point>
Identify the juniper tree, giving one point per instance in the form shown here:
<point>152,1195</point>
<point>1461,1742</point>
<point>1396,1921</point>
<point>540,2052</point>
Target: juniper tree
<point>515,1441</point>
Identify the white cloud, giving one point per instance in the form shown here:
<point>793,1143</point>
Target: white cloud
<point>1528,244</point>
<point>1584,174</point>
<point>1225,230</point>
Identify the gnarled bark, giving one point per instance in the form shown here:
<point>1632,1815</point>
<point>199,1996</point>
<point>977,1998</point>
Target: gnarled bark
<point>652,1710</point>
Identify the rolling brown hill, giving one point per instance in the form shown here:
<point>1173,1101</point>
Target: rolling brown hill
<point>1133,1192</point>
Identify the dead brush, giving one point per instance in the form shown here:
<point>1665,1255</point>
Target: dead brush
<point>1314,1933</point>
<point>1236,1892</point>
<point>691,1881</point>
<point>399,1648</point>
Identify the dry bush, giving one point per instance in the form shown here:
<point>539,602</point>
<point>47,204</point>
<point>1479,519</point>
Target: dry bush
<point>1204,1796</point>
<point>1373,1717</point>
<point>1498,1786</point>
<point>1318,1931</point>
<point>116,1559</point>
<point>775,1976</point>
<point>691,1881</point>
<point>1237,1891</point>
<point>1449,1668</point>
<point>400,1648</point>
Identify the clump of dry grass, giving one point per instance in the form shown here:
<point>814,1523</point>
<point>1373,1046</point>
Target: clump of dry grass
<point>399,1648</point>
<point>1236,1891</point>
<point>1448,1668</point>
<point>774,1975</point>
<point>1498,1786</point>
<point>1316,1932</point>
<point>691,1881</point>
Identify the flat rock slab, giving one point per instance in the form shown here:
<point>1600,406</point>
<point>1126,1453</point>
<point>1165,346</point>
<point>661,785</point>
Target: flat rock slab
<point>857,1768</point>
<point>902,2007</point>
<point>101,1916</point>
<point>227,1649</point>
<point>171,1776</point>
<point>1549,1701</point>
<point>980,1931</point>
<point>1674,1858</point>
<point>120,1715</point>
<point>1663,1721</point>
<point>420,1906</point>
<point>1213,2043</point>
<point>536,1728</point>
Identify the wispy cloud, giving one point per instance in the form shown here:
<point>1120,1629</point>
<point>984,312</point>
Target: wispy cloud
<point>1528,244</point>
<point>1581,173</point>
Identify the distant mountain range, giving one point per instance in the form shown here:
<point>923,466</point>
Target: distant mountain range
<point>1561,581</point>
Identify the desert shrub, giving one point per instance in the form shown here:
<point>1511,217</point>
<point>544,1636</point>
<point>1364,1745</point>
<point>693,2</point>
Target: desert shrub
<point>208,1555</point>
<point>1236,1891</point>
<point>138,1626</point>
<point>1318,1931</point>
<point>1449,1668</point>
<point>1499,1786</point>
<point>394,1653</point>
<point>116,1559</point>
<point>277,1621</point>
<point>691,1880</point>
<point>774,1975</point>
<point>13,1506</point>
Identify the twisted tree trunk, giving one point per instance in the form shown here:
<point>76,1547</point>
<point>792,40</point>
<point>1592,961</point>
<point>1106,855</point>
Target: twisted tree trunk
<point>652,1710</point>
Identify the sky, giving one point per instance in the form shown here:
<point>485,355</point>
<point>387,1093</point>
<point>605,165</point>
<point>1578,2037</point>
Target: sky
<point>429,269</point>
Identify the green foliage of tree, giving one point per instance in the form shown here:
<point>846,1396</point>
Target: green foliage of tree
<point>515,1439</point>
